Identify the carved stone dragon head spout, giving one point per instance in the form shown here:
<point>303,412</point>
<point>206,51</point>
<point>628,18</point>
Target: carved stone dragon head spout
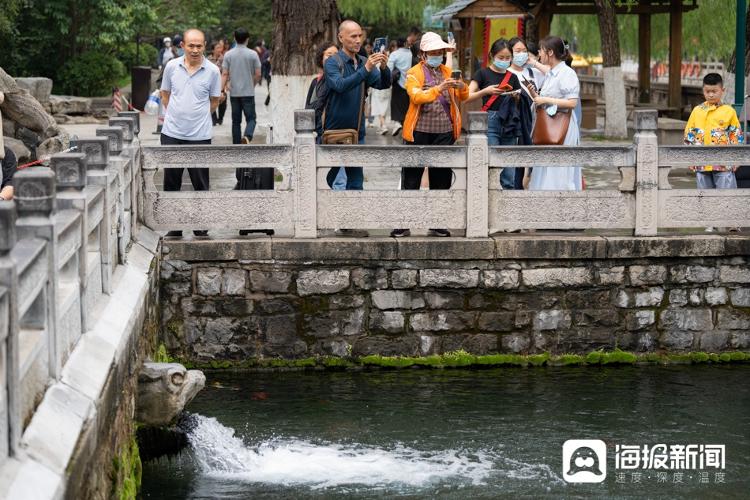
<point>164,389</point>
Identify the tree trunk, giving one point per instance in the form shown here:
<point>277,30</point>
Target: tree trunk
<point>733,61</point>
<point>299,29</point>
<point>615,124</point>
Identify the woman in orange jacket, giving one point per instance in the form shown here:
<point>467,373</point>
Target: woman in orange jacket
<point>433,117</point>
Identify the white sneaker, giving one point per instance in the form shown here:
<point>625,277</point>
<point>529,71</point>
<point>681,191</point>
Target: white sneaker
<point>383,131</point>
<point>396,130</point>
<point>710,229</point>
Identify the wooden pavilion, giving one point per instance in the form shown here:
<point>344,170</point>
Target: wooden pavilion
<point>476,22</point>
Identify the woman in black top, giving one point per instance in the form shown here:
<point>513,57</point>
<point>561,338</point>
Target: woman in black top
<point>508,107</point>
<point>318,91</point>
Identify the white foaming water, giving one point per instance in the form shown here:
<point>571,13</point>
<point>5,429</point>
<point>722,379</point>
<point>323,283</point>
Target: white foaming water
<point>221,454</point>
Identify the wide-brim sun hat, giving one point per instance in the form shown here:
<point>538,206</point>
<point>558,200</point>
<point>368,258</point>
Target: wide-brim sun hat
<point>432,41</point>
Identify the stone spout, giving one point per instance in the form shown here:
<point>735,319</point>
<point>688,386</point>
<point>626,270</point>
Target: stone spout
<point>164,389</point>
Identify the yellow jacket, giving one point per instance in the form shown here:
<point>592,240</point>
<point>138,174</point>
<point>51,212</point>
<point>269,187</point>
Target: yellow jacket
<point>417,97</point>
<point>712,125</point>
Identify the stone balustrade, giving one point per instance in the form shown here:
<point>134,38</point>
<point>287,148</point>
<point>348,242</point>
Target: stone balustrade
<point>63,242</point>
<point>302,205</point>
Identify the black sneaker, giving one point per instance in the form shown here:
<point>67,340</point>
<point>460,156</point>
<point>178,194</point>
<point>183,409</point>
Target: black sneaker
<point>245,232</point>
<point>200,232</point>
<point>173,234</point>
<point>443,233</point>
<point>400,233</point>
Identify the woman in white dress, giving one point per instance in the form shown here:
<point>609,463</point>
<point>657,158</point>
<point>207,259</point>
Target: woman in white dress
<point>559,94</point>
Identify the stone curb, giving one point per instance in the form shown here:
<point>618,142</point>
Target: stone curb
<point>526,246</point>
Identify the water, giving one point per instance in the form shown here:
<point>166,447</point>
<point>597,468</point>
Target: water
<point>452,433</point>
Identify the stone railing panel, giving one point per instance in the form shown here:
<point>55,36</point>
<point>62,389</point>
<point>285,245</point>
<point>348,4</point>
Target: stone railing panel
<point>391,156</point>
<point>562,156</point>
<point>391,209</point>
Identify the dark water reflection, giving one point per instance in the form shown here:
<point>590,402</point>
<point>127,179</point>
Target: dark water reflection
<point>481,434</point>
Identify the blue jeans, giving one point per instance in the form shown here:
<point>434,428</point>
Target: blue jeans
<point>346,178</point>
<point>716,180</point>
<point>508,175</point>
<point>240,106</point>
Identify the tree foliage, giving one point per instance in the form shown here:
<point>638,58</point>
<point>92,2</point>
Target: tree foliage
<point>388,17</point>
<point>707,32</point>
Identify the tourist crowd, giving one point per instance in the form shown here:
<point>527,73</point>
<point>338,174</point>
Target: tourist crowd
<point>530,93</point>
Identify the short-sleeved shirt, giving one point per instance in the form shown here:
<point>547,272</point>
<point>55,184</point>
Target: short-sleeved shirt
<point>188,115</point>
<point>241,63</point>
<point>561,82</point>
<point>10,164</point>
<point>485,77</point>
<point>400,59</point>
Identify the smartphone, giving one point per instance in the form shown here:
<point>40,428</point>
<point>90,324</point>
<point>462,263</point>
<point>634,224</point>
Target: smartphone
<point>451,38</point>
<point>456,74</point>
<point>380,44</point>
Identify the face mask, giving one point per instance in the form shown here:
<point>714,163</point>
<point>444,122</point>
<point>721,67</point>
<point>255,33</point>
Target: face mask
<point>501,64</point>
<point>521,58</point>
<point>434,61</point>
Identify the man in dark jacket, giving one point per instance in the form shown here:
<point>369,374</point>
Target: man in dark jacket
<point>347,78</point>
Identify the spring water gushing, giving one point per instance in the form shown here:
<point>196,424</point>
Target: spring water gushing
<point>221,454</point>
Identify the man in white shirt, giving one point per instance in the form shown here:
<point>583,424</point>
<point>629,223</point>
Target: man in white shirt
<point>190,92</point>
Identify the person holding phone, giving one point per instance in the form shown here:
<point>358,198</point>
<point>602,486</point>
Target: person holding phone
<point>433,117</point>
<point>507,105</point>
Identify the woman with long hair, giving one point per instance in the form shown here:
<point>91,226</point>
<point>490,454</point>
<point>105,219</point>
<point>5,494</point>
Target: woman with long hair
<point>559,94</point>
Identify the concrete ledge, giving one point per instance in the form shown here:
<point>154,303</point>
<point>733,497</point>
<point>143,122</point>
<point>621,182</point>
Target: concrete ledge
<point>53,433</point>
<point>28,479</point>
<point>335,249</point>
<point>446,248</point>
<point>531,246</point>
<point>696,245</point>
<point>500,247</point>
<point>250,249</point>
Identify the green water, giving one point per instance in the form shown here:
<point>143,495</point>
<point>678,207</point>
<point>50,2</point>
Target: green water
<point>454,433</point>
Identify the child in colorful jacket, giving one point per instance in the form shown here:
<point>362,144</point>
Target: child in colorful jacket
<point>713,124</point>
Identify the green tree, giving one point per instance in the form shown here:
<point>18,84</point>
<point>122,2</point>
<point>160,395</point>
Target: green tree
<point>707,32</point>
<point>388,17</point>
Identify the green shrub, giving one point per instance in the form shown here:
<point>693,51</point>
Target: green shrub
<point>91,74</point>
<point>146,57</point>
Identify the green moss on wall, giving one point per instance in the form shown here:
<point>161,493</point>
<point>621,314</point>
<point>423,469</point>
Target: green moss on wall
<point>463,359</point>
<point>127,470</point>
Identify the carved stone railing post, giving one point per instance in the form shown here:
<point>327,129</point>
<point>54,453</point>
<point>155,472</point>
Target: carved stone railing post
<point>647,173</point>
<point>116,137</point>
<point>35,202</point>
<point>109,177</point>
<point>477,177</point>
<point>136,116</point>
<point>10,408</point>
<point>127,124</point>
<point>71,174</point>
<point>305,175</point>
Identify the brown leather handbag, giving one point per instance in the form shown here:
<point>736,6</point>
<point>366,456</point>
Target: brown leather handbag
<point>550,130</point>
<point>344,135</point>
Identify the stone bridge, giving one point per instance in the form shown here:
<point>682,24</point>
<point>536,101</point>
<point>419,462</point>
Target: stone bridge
<point>88,289</point>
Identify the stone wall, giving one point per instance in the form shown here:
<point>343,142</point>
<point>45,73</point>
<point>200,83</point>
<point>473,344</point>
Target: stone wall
<point>291,299</point>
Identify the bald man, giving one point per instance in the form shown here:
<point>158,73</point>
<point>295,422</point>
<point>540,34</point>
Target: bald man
<point>190,91</point>
<point>348,77</point>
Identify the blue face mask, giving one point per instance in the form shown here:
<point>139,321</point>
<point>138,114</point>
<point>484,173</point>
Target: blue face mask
<point>434,61</point>
<point>520,59</point>
<point>501,64</point>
